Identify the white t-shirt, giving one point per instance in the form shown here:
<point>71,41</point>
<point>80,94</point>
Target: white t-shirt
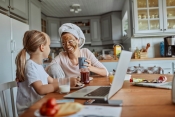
<point>26,95</point>
<point>73,70</point>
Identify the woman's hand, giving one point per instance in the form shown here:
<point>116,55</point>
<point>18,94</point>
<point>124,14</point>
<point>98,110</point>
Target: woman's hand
<point>89,64</point>
<point>74,81</point>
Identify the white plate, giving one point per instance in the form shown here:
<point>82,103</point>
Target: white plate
<point>78,87</point>
<point>90,78</point>
<point>37,113</point>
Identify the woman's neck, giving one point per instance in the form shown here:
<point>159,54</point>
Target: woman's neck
<point>74,57</point>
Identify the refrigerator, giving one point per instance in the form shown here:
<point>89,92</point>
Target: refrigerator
<point>11,42</point>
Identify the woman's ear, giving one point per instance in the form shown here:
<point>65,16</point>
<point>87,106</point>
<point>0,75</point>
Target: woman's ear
<point>78,41</point>
<point>41,47</point>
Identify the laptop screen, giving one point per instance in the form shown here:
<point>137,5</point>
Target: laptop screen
<point>120,73</point>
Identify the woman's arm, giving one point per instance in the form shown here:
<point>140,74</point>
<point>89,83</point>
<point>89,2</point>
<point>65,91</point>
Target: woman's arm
<point>100,71</point>
<point>94,65</point>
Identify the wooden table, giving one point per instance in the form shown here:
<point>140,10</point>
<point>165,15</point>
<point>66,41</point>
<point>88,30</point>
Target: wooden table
<point>137,101</point>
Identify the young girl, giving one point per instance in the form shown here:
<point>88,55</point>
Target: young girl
<point>33,81</point>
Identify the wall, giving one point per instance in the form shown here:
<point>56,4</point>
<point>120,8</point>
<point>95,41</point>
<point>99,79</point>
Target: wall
<point>153,51</point>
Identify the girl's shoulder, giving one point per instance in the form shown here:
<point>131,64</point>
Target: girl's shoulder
<point>31,64</point>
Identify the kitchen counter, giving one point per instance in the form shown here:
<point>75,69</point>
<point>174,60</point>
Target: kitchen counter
<point>145,59</point>
<point>164,62</point>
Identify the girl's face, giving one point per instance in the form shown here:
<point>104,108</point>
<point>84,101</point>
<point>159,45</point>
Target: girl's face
<point>47,48</point>
<point>69,42</point>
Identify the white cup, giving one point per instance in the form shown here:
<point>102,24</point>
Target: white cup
<point>64,85</point>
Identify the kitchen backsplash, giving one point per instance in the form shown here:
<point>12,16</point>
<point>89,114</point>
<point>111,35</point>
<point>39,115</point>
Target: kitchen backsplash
<point>153,51</point>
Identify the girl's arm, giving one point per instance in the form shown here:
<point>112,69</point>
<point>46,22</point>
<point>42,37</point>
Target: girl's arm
<point>52,80</point>
<point>47,88</point>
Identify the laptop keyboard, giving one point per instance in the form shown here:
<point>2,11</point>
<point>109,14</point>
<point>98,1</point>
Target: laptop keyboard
<point>101,91</point>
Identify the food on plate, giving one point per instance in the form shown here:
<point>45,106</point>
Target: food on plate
<point>79,84</point>
<point>51,108</point>
<point>162,79</point>
<point>68,109</point>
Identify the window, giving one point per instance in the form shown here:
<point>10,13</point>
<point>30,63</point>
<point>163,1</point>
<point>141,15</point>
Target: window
<point>125,24</point>
<point>43,25</point>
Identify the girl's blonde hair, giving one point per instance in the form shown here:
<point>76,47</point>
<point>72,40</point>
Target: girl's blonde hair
<point>31,41</point>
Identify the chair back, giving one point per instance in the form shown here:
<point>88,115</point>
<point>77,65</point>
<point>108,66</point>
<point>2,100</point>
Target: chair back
<point>4,112</point>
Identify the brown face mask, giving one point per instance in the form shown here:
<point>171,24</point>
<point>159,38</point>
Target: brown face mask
<point>69,42</point>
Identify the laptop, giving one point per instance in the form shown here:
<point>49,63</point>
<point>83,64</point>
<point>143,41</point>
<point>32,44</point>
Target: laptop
<point>165,85</point>
<point>106,92</point>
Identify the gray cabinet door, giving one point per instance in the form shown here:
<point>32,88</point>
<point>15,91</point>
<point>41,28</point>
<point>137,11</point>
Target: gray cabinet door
<point>19,8</point>
<point>106,32</point>
<point>53,26</point>
<point>95,29</point>
<point>34,15</point>
<point>4,4</point>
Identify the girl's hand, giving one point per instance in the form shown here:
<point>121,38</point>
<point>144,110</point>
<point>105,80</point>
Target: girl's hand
<point>74,81</point>
<point>89,63</point>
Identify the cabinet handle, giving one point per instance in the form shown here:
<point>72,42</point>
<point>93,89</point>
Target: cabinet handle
<point>9,6</point>
<point>160,29</point>
<point>12,8</point>
<point>11,46</point>
<point>164,29</point>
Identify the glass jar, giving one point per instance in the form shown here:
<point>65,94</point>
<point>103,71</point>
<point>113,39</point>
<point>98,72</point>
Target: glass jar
<point>111,77</point>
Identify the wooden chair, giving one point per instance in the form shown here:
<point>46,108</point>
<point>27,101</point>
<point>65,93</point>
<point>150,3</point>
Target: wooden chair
<point>4,110</point>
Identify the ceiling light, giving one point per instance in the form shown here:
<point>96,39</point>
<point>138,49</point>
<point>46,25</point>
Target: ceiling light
<point>71,10</point>
<point>75,8</point>
<point>76,11</point>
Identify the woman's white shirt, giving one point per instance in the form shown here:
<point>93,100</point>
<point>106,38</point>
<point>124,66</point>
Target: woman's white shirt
<point>26,95</point>
<point>73,70</point>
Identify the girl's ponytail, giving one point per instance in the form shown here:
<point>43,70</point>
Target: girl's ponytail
<point>20,65</point>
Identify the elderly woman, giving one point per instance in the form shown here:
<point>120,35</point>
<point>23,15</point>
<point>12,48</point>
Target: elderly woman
<point>73,39</point>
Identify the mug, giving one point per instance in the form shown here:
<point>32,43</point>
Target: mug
<point>81,62</point>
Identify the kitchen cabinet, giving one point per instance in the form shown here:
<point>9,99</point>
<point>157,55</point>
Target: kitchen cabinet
<point>153,17</point>
<point>111,28</point>
<point>34,15</point>
<point>17,8</point>
<point>11,42</point>
<point>84,25</point>
<point>95,31</point>
<point>53,26</point>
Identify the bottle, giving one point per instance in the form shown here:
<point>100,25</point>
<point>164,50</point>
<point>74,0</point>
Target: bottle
<point>137,53</point>
<point>173,90</point>
<point>111,77</point>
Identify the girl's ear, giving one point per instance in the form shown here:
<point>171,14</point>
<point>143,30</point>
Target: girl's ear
<point>41,47</point>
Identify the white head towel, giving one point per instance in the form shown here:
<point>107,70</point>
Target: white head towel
<point>75,30</point>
